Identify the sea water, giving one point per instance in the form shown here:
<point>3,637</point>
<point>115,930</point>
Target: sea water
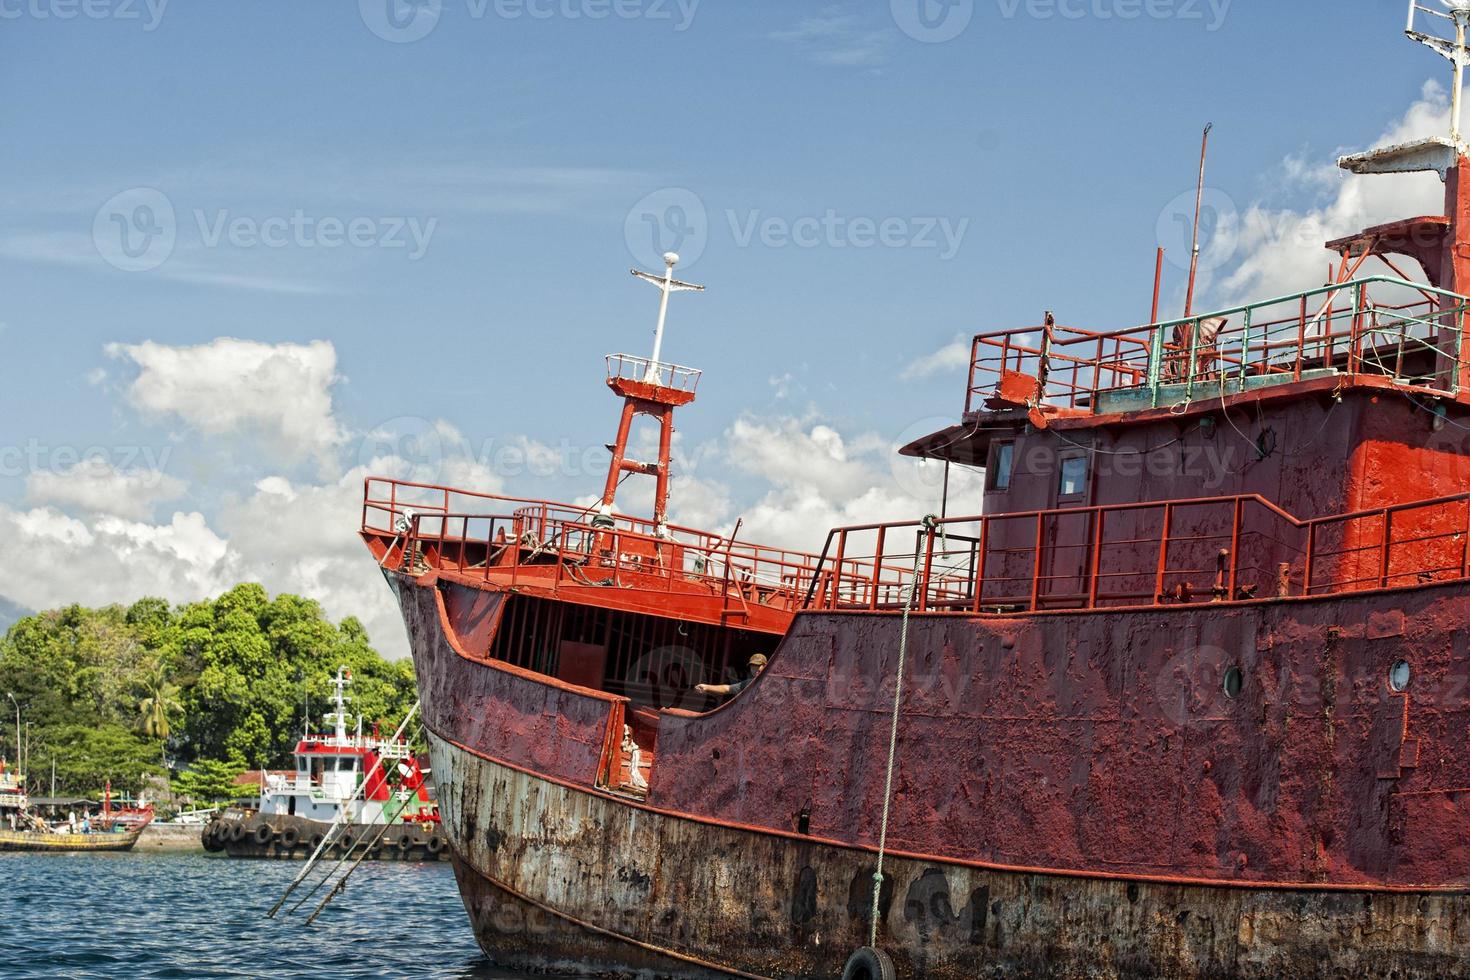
<point>190,916</point>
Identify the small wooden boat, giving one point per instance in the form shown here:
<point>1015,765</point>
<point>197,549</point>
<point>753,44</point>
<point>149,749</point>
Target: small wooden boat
<point>29,840</point>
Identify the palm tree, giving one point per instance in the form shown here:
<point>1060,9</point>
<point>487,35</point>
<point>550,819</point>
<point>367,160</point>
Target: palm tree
<point>160,702</point>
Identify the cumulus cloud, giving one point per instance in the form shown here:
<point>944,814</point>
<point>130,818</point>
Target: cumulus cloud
<point>952,357</point>
<point>808,477</point>
<point>1278,250</point>
<point>279,393</point>
<point>98,487</point>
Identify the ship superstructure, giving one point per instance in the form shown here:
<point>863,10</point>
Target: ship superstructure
<point>1180,698</point>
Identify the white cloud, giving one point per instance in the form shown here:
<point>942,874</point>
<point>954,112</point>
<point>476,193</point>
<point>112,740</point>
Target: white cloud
<point>280,393</point>
<point>951,357</point>
<point>837,39</point>
<point>109,559</point>
<point>97,487</point>
<point>809,478</point>
<point>1281,249</point>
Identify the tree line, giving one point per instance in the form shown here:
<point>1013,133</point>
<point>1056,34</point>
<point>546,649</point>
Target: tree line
<point>192,693</point>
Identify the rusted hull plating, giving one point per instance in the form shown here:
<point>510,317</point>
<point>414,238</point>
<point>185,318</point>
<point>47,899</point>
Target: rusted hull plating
<point>560,879</point>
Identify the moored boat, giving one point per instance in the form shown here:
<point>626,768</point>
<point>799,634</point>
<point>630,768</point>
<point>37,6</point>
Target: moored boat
<point>1131,718</point>
<point>347,791</point>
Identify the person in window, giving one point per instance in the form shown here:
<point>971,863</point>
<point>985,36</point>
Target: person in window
<point>757,664</point>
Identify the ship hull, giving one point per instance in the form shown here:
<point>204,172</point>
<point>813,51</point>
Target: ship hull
<point>560,879</point>
<point>244,834</point>
<point>64,843</point>
<point>754,849</point>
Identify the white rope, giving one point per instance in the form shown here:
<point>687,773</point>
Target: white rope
<point>930,523</point>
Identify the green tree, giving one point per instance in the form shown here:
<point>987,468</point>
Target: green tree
<point>209,782</point>
<point>158,706</point>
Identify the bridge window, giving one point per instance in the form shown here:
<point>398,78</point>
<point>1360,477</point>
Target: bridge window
<point>1074,476</point>
<point>1399,676</point>
<point>1002,458</point>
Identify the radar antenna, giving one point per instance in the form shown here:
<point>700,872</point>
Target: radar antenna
<point>1453,49</point>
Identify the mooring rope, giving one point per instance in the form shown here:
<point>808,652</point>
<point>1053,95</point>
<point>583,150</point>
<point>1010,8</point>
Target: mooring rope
<point>930,522</point>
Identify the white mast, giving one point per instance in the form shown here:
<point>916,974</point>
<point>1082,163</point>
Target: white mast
<point>1455,51</point>
<point>338,718</point>
<point>668,284</point>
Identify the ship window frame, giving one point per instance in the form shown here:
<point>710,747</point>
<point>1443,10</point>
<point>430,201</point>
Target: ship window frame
<point>1062,463</point>
<point>1234,677</point>
<point>1396,685</point>
<point>998,474</point>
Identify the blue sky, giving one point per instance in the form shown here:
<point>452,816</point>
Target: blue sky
<point>498,173</point>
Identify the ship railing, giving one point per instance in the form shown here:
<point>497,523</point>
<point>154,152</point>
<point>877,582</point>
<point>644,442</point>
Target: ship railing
<point>291,785</point>
<point>562,545</point>
<point>1153,553</point>
<point>1076,558</point>
<point>630,367</point>
<point>1409,332</point>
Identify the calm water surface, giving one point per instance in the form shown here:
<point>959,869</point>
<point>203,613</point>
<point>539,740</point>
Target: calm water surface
<point>192,916</point>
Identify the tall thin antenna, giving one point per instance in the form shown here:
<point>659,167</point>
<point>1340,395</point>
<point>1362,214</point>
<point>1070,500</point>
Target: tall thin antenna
<point>1454,50</point>
<point>1199,200</point>
<point>667,284</point>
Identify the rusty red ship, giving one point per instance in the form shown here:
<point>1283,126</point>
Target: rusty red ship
<point>1136,715</point>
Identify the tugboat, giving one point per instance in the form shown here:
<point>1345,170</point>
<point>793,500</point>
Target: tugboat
<point>1134,717</point>
<point>351,791</point>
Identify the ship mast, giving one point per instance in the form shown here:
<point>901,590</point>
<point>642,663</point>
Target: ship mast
<point>648,387</point>
<point>338,719</point>
<point>1458,12</point>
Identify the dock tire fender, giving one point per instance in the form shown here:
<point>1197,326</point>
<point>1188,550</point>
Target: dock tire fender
<point>404,842</point>
<point>316,841</point>
<point>869,964</point>
<point>435,844</point>
<point>290,837</point>
<point>264,833</point>
<point>346,842</point>
<point>212,839</point>
<point>235,831</point>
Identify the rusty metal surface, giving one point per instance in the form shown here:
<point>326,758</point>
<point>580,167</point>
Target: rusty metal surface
<point>782,907</point>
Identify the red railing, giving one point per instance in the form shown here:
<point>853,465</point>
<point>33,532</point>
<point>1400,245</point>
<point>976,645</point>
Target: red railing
<point>1142,554</point>
<point>555,544</point>
<point>1338,329</point>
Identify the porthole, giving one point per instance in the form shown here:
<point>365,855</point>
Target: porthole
<point>1234,681</point>
<point>1399,675</point>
